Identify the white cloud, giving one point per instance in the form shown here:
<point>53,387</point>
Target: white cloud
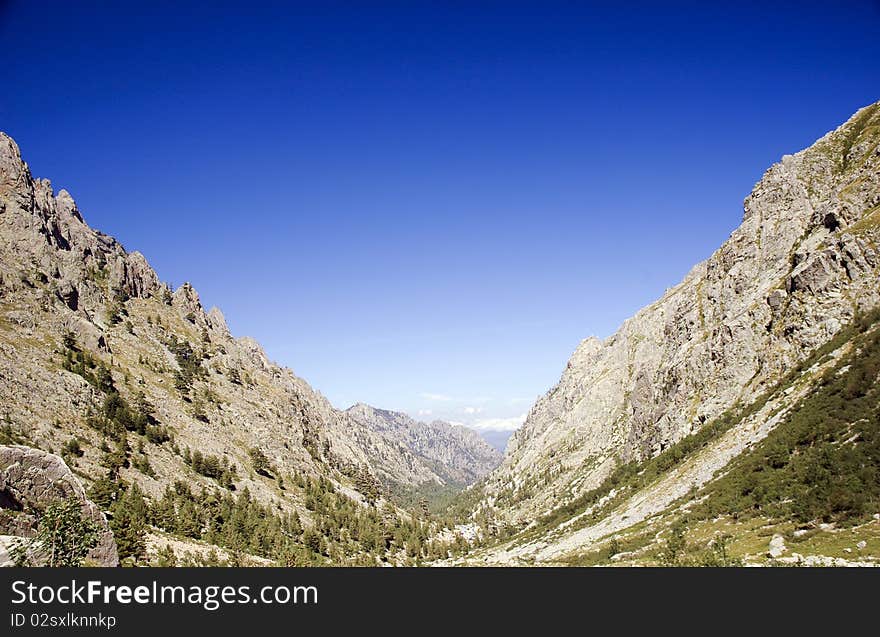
<point>425,412</point>
<point>439,397</point>
<point>498,424</point>
<point>473,410</point>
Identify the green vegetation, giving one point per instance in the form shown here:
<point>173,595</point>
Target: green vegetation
<point>116,309</point>
<point>677,551</point>
<point>73,447</point>
<point>341,531</point>
<point>819,464</point>
<point>430,496</point>
<point>629,477</point>
<point>674,547</point>
<point>64,537</point>
<point>260,462</point>
<point>91,369</point>
<point>116,416</point>
<point>822,462</point>
<point>127,508</point>
<point>8,436</point>
<point>859,127</point>
<point>217,468</point>
<point>189,364</point>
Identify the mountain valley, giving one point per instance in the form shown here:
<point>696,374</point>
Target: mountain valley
<point>733,421</point>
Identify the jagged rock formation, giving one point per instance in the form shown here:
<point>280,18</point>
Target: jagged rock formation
<point>435,451</point>
<point>30,480</point>
<point>803,262</point>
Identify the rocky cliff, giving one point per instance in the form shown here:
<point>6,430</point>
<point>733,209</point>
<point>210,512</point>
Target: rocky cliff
<point>804,260</point>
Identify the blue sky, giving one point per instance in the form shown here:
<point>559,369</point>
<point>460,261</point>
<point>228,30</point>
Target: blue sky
<point>426,206</point>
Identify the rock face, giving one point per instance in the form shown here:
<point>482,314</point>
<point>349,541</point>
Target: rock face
<point>30,480</point>
<point>47,232</point>
<point>804,260</point>
<point>438,451</point>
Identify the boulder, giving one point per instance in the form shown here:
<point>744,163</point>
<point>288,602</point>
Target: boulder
<point>777,546</point>
<point>30,480</point>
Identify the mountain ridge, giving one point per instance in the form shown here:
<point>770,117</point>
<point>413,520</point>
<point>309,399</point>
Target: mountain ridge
<point>800,268</point>
<point>178,428</point>
<point>140,389</point>
<point>803,263</point>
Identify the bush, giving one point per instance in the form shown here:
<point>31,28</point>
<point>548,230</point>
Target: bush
<point>260,462</point>
<point>73,448</point>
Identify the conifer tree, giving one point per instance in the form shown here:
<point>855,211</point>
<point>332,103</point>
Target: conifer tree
<point>128,522</point>
<point>63,534</point>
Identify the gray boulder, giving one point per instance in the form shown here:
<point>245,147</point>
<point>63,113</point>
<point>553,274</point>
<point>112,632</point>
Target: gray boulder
<point>30,480</point>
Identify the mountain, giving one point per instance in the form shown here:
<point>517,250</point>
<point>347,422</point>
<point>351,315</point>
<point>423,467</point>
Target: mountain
<point>718,360</point>
<point>176,427</point>
<point>454,455</point>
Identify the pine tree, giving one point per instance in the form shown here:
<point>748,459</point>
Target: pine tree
<point>128,522</point>
<point>63,534</point>
<point>260,462</point>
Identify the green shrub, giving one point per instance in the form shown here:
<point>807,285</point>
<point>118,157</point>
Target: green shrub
<point>63,535</point>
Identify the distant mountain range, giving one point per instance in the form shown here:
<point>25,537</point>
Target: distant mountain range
<point>498,439</point>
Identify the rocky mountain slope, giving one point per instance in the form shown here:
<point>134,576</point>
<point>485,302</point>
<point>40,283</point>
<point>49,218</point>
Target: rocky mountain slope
<point>450,454</point>
<point>137,384</point>
<point>802,265</point>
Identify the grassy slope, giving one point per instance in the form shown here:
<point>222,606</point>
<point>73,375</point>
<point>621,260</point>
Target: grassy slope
<point>814,479</point>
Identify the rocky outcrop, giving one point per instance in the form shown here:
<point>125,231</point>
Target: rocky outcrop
<point>30,480</point>
<point>441,452</point>
<point>48,235</point>
<point>803,262</point>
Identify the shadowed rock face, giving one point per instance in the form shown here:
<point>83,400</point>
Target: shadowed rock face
<point>31,480</point>
<point>804,260</point>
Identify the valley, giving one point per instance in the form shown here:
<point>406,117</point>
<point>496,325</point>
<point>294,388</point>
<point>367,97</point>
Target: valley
<point>734,421</point>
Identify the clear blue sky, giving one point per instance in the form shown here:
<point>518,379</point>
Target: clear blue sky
<point>425,208</point>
